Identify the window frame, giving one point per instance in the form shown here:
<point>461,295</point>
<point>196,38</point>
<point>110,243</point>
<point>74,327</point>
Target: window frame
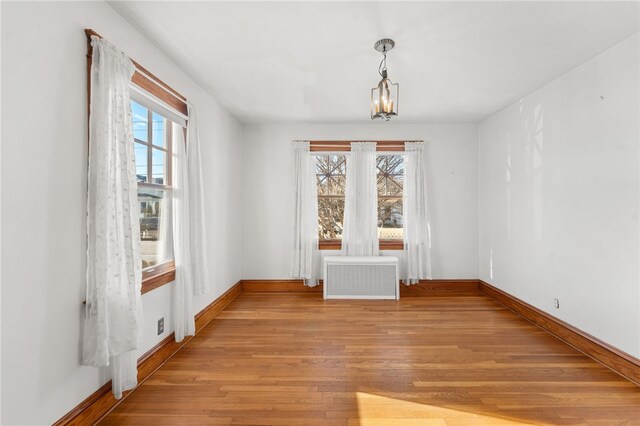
<point>318,148</point>
<point>161,273</point>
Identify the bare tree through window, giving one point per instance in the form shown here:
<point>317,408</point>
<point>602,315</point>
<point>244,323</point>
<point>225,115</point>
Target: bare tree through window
<point>331,179</point>
<point>390,171</point>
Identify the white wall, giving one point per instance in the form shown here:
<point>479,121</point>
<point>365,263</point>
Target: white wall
<point>559,194</point>
<point>44,160</point>
<point>268,191</point>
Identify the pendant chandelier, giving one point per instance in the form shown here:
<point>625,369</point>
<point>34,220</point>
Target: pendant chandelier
<point>384,97</point>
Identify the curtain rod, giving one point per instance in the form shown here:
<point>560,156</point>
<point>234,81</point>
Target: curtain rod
<point>89,32</point>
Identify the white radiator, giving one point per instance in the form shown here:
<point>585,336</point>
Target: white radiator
<point>355,277</point>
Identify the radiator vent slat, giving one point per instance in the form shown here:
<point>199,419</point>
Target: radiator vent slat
<point>361,277</point>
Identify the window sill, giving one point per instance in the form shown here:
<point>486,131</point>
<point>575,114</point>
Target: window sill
<point>391,245</point>
<point>158,276</point>
<point>384,245</point>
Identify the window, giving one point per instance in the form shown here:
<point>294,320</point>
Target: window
<point>152,146</point>
<point>390,172</point>
<point>331,171</point>
<point>155,108</point>
<point>331,178</point>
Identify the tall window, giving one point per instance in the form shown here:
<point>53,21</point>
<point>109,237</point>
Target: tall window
<point>390,171</point>
<point>331,171</point>
<point>331,176</point>
<point>152,145</point>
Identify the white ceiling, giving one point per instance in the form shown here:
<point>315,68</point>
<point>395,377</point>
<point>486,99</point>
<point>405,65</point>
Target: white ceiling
<point>314,61</point>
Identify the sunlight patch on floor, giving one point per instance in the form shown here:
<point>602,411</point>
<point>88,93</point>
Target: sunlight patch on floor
<point>376,410</point>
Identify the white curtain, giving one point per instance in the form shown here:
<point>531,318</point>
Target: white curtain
<point>360,232</point>
<point>113,323</point>
<point>165,237</point>
<point>417,231</point>
<point>198,243</point>
<point>305,261</point>
<point>183,311</point>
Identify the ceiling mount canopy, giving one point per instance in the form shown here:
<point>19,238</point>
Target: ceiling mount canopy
<point>384,97</point>
<point>384,45</point>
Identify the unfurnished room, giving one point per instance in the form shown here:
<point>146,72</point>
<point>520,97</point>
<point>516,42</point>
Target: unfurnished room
<point>320,213</point>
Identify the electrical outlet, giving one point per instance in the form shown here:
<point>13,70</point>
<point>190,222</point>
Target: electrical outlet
<point>160,326</point>
<point>556,303</point>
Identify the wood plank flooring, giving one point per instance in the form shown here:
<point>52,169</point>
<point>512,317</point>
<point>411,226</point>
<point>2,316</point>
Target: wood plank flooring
<point>295,359</point>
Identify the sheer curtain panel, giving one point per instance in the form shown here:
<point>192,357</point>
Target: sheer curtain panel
<point>198,243</point>
<point>183,312</point>
<point>360,232</point>
<point>305,260</point>
<point>113,322</point>
<point>417,230</point>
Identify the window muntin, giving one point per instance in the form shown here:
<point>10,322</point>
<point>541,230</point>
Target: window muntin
<point>331,179</point>
<point>390,175</point>
<point>152,147</point>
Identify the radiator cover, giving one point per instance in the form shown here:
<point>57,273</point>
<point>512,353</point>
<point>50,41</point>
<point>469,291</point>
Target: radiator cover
<point>356,277</point>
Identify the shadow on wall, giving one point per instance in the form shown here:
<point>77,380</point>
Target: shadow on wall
<point>527,156</point>
<point>436,265</point>
<point>524,179</point>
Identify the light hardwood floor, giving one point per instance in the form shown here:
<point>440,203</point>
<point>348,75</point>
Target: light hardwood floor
<point>294,359</point>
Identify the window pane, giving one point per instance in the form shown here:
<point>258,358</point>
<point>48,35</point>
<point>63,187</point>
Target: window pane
<point>390,174</point>
<point>141,162</point>
<point>158,166</point>
<point>330,216</point>
<point>331,181</point>
<point>390,218</point>
<point>158,130</point>
<point>139,117</point>
<point>155,227</point>
<point>390,170</point>
<point>331,174</point>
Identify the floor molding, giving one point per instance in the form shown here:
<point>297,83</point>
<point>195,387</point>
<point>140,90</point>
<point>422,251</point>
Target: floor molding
<point>285,285</point>
<point>101,402</point>
<point>439,287</point>
<point>622,363</point>
<point>424,288</point>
